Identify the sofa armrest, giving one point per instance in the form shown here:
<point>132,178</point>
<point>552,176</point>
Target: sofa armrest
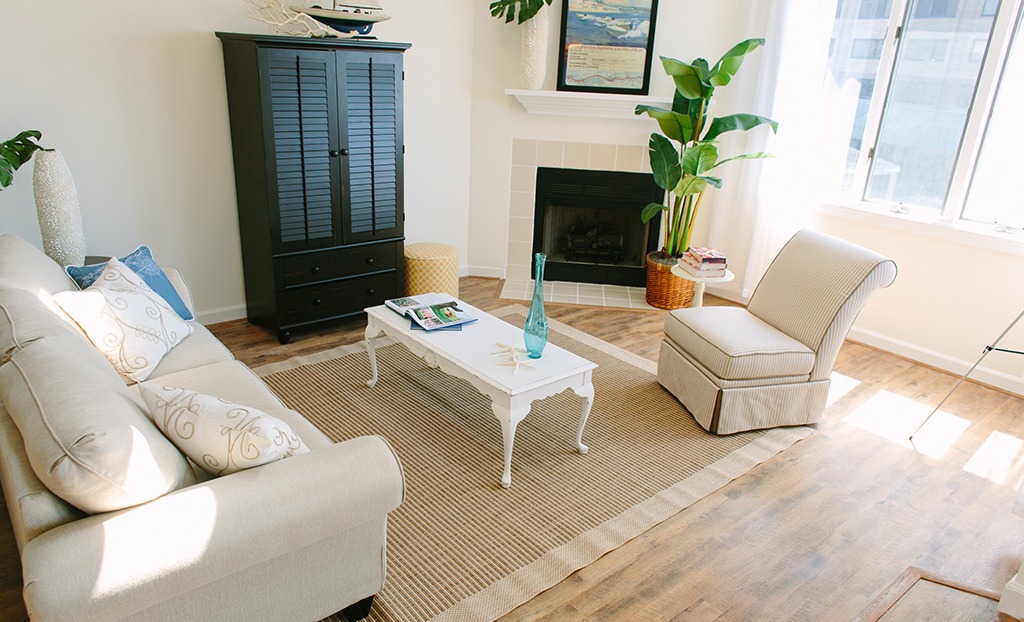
<point>180,286</point>
<point>111,565</point>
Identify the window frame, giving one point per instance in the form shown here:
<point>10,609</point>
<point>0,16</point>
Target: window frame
<point>1005,22</point>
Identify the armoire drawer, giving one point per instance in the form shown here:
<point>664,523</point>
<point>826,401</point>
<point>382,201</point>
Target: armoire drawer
<point>337,263</point>
<point>316,302</point>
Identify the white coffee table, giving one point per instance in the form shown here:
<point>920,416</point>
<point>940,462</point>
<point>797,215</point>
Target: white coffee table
<point>470,354</point>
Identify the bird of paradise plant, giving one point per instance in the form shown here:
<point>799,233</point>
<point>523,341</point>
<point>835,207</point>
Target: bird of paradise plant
<point>685,172</point>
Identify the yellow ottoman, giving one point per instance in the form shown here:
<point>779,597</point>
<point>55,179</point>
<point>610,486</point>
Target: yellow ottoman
<point>431,267</point>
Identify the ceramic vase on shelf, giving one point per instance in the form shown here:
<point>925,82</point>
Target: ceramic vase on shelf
<point>535,332</point>
<point>60,222</point>
<point>534,50</point>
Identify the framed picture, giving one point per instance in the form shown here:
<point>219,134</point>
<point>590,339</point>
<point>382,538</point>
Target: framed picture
<point>606,46</point>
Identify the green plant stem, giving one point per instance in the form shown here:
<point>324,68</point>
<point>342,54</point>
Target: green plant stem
<point>693,219</point>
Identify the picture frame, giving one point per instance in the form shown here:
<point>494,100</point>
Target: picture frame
<point>606,47</point>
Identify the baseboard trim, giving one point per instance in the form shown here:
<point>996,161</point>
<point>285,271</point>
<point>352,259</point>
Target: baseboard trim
<point>958,367</point>
<point>223,314</point>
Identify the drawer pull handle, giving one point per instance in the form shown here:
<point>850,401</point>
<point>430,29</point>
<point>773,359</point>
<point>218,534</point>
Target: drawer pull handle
<point>317,301</point>
<point>370,261</point>
<point>316,269</point>
<point>371,291</point>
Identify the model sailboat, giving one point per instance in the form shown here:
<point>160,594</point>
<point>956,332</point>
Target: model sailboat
<point>349,18</point>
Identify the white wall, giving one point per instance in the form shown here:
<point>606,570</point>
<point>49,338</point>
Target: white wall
<point>133,94</point>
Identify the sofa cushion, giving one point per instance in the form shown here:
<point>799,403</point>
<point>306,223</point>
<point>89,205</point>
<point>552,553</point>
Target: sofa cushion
<point>142,263</point>
<point>23,266</point>
<point>198,349</point>
<point>733,344</point>
<point>126,320</point>
<point>93,446</point>
<point>25,317</point>
<point>221,437</point>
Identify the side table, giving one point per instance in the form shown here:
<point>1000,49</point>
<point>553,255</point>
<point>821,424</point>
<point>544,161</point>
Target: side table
<point>698,288</point>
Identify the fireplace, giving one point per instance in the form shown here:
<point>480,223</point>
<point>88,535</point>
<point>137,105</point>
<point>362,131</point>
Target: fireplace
<point>588,224</point>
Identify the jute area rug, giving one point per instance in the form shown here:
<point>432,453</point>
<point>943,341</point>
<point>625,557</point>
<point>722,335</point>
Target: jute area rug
<point>462,548</point>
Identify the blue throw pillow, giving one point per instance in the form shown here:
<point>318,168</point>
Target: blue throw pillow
<point>142,263</point>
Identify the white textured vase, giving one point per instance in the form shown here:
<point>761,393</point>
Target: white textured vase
<point>535,50</point>
<point>60,221</point>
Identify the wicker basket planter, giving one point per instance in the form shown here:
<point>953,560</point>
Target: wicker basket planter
<point>664,289</point>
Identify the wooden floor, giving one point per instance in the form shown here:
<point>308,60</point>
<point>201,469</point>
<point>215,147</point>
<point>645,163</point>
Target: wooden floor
<point>817,533</point>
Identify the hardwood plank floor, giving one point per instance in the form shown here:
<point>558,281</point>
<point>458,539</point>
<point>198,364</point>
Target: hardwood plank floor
<point>813,534</point>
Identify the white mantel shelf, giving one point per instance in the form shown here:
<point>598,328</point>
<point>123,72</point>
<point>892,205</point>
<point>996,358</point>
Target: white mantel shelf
<point>575,104</point>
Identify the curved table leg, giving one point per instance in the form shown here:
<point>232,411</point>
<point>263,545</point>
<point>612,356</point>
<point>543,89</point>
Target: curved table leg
<point>586,393</point>
<point>371,349</point>
<point>509,419</point>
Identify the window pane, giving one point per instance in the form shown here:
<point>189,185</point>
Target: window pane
<point>928,104</point>
<point>874,9</point>
<point>990,198</point>
<point>858,36</point>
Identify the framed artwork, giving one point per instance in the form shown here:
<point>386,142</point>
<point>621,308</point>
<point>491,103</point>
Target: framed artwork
<point>606,46</point>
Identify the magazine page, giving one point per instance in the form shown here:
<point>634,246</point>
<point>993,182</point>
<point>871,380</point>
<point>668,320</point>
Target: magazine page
<point>437,316</point>
<point>404,304</point>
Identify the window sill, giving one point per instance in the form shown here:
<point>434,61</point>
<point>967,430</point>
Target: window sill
<point>968,234</point>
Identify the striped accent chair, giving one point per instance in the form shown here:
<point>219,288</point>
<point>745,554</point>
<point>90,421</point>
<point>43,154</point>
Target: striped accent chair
<point>768,365</point>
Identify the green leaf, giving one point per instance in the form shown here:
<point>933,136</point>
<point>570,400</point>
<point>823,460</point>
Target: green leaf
<point>690,184</point>
<point>712,181</point>
<point>507,9</point>
<point>674,125</point>
<point>733,122</point>
<point>6,178</point>
<point>664,162</point>
<point>760,155</point>
<point>699,159</point>
<point>729,64</point>
<point>650,211</point>
<point>686,77</point>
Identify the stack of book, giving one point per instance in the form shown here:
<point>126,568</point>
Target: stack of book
<point>703,262</point>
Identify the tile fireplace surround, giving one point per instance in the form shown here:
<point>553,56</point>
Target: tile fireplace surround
<point>527,155</point>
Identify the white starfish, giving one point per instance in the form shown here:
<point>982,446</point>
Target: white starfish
<point>512,352</point>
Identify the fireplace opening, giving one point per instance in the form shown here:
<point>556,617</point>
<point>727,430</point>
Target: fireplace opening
<point>588,225</point>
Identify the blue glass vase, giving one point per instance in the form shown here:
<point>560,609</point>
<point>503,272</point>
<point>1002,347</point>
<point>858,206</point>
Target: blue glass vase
<point>535,333</point>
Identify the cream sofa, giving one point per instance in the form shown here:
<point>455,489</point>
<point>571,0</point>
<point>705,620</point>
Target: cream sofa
<point>297,539</point>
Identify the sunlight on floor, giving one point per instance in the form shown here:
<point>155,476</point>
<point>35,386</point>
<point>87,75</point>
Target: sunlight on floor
<point>839,387</point>
<point>999,459</point>
<point>895,418</point>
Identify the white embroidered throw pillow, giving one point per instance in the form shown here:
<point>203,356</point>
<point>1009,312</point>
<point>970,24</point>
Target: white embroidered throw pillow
<point>128,322</point>
<point>217,435</point>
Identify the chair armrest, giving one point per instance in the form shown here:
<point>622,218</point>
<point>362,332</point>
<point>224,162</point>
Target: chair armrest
<point>111,565</point>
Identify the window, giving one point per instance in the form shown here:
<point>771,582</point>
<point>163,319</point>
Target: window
<point>874,9</point>
<point>929,105</point>
<point>866,48</point>
<point>936,8</point>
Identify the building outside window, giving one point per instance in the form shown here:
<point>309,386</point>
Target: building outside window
<point>929,89</point>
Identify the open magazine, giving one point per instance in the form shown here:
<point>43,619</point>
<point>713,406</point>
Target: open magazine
<point>431,311</point>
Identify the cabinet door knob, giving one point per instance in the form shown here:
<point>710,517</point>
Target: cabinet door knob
<point>334,153</point>
<point>344,152</point>
<point>317,301</point>
<point>315,269</point>
<point>370,261</point>
<point>371,291</point>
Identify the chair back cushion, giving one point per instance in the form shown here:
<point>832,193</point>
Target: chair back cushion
<point>814,289</point>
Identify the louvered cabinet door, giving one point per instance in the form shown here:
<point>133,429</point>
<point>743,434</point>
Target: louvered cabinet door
<point>303,154</point>
<point>370,86</point>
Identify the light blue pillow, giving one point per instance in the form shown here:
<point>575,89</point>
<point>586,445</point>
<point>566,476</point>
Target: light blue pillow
<point>142,263</point>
